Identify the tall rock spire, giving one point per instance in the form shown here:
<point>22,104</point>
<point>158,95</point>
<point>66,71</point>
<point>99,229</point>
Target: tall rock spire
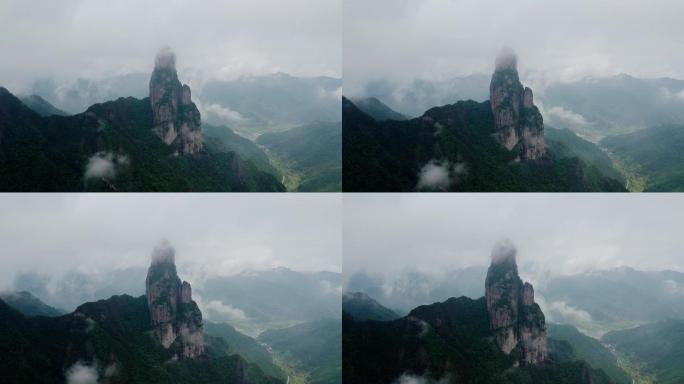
<point>176,319</point>
<point>176,118</point>
<point>516,320</point>
<point>519,125</point>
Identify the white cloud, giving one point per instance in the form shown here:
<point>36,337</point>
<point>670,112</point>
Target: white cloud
<point>104,165</point>
<point>439,175</point>
<point>92,39</point>
<point>673,288</point>
<point>413,379</point>
<point>81,373</point>
<point>561,312</point>
<point>228,311</point>
<point>224,113</point>
<point>567,116</point>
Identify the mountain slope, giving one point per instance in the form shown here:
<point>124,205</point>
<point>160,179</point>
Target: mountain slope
<point>590,350</point>
<point>224,139</point>
<point>271,103</point>
<point>377,109</point>
<point>313,347</point>
<point>448,341</point>
<point>621,295</point>
<point>274,298</point>
<point>41,106</point>
<point>658,347</point>
<point>312,154</point>
<point>450,148</point>
<point>244,346</point>
<point>566,144</point>
<point>28,304</point>
<point>110,147</point>
<point>362,307</point>
<point>109,339</point>
<point>656,153</point>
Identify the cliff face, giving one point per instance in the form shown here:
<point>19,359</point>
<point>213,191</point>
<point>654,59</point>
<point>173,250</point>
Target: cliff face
<point>519,125</point>
<point>176,319</point>
<point>176,118</point>
<point>515,319</point>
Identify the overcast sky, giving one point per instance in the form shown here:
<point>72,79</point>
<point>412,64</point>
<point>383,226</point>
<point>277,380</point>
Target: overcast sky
<point>558,233</point>
<point>401,40</point>
<point>221,38</point>
<point>219,233</point>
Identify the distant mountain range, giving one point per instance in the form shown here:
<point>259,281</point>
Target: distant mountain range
<point>595,302</point>
<point>494,146</point>
<point>250,104</point>
<point>97,140</point>
<point>155,338</point>
<point>591,106</point>
<point>499,338</point>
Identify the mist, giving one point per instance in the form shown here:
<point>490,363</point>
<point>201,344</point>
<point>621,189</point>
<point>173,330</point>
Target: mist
<point>215,39</point>
<point>400,41</point>
<point>555,234</point>
<point>63,240</point>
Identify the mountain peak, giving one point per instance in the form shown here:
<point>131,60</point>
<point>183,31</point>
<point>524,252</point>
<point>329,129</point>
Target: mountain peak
<point>175,317</point>
<point>177,120</point>
<point>504,252</point>
<point>166,59</point>
<point>519,124</point>
<point>515,319</point>
<point>506,60</point>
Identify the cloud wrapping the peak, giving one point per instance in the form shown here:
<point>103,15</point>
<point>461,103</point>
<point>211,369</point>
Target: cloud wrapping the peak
<point>164,253</point>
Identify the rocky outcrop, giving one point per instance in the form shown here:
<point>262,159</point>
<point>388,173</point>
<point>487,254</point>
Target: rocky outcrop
<point>176,319</point>
<point>176,118</point>
<point>519,124</point>
<point>515,319</point>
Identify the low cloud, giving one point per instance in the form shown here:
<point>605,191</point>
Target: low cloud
<point>87,373</point>
<point>329,288</point>
<point>412,379</point>
<point>567,116</point>
<point>164,252</point>
<point>439,175</point>
<point>105,165</point>
<point>228,311</point>
<point>672,96</point>
<point>561,312</point>
<point>673,288</point>
<point>503,250</point>
<point>224,113</point>
<point>82,373</point>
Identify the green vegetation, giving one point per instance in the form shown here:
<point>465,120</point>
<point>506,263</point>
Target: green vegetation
<point>113,337</point>
<point>566,144</point>
<point>42,106</point>
<point>362,307</point>
<point>244,346</point>
<point>655,352</point>
<point>389,155</point>
<point>52,154</point>
<point>273,299</point>
<point>657,154</point>
<point>309,156</point>
<point>28,304</point>
<point>312,348</point>
<point>589,350</point>
<point>378,110</point>
<point>223,139</point>
<point>448,341</point>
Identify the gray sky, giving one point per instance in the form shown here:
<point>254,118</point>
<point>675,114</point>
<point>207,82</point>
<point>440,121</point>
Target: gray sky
<point>401,40</point>
<point>217,233</point>
<point>558,233</point>
<point>218,38</point>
